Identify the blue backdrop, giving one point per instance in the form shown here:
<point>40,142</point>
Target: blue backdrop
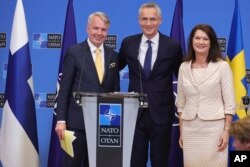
<point>45,17</point>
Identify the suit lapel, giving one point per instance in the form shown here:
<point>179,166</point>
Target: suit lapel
<point>107,58</point>
<point>159,56</point>
<point>190,73</point>
<point>161,53</point>
<point>89,62</point>
<point>135,47</point>
<point>210,70</point>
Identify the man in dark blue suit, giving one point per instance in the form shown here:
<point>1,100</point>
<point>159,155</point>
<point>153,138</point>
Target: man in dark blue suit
<point>152,59</point>
<point>81,73</point>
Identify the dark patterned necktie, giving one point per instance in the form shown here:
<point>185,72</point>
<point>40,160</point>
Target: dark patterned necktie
<point>147,62</point>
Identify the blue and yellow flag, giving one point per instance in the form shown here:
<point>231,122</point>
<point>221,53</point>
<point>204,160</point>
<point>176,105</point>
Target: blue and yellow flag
<point>236,58</point>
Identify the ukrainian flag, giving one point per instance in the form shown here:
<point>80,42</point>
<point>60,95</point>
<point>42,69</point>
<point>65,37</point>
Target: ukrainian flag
<point>236,58</point>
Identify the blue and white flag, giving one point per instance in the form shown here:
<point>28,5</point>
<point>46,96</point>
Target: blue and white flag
<point>18,138</point>
<point>69,38</point>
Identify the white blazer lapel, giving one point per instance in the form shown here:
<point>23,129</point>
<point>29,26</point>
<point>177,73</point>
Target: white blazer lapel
<point>210,70</point>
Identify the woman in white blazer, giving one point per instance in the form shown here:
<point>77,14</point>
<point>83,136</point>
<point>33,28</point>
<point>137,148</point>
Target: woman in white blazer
<point>205,101</point>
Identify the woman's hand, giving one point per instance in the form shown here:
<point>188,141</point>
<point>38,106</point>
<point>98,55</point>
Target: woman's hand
<point>180,141</point>
<point>223,142</point>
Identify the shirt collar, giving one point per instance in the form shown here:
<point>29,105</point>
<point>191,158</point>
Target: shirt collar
<point>93,47</point>
<point>154,40</point>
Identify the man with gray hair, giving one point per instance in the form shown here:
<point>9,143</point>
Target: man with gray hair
<point>85,69</point>
<point>152,59</point>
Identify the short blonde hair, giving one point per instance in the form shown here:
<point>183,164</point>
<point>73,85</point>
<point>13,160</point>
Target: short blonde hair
<point>102,15</point>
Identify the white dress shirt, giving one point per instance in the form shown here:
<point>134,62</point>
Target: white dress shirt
<point>144,47</point>
<point>93,48</point>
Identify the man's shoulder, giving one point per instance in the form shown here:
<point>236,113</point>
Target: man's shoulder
<point>77,46</point>
<point>133,37</point>
<point>164,37</point>
<point>109,49</point>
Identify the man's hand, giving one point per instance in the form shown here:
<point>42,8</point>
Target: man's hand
<point>60,128</point>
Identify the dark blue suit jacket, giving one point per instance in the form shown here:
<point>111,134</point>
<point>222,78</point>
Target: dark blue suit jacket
<point>158,86</point>
<point>79,74</point>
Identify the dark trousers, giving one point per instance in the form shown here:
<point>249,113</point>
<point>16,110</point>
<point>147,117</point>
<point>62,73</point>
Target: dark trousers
<point>80,158</point>
<point>157,136</point>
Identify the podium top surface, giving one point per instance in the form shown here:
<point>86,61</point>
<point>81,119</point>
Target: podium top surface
<point>113,95</point>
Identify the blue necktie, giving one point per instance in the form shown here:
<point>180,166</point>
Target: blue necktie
<point>147,62</point>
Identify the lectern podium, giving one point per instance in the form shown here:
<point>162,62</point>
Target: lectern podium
<point>110,120</point>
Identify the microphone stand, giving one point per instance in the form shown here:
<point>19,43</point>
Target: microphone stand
<point>78,95</point>
<point>143,99</point>
<point>246,101</point>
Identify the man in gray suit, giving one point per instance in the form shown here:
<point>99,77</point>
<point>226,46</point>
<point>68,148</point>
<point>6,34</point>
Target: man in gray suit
<point>88,67</point>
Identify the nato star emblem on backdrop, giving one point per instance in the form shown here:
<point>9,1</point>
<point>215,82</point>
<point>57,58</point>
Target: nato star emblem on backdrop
<point>46,40</point>
<point>45,100</point>
<point>5,67</point>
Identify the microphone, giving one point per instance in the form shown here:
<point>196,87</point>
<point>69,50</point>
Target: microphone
<point>78,95</point>
<point>143,102</point>
<point>78,98</point>
<point>246,100</point>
